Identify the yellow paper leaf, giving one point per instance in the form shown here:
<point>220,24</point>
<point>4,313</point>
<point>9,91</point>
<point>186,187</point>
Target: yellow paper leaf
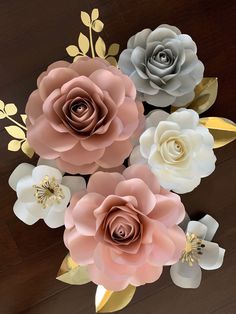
<point>10,109</point>
<point>111,301</point>
<point>95,14</point>
<point>14,145</point>
<point>113,49</point>
<point>100,47</point>
<point>2,115</point>
<point>97,26</point>
<point>72,50</point>
<point>76,58</point>
<point>15,132</point>
<point>85,18</point>
<point>26,149</point>
<point>23,117</point>
<point>72,273</point>
<point>205,95</point>
<point>2,105</point>
<point>112,61</point>
<point>83,43</point>
<point>223,130</point>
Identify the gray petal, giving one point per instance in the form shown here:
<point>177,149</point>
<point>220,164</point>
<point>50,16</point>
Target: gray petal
<point>138,60</point>
<point>187,42</point>
<point>160,34</point>
<point>142,85</point>
<point>125,63</point>
<point>162,99</point>
<point>184,99</point>
<point>141,38</point>
<point>173,28</point>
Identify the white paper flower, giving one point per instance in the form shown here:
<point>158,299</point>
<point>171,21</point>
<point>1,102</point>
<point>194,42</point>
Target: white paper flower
<point>199,253</point>
<point>178,149</point>
<point>42,193</point>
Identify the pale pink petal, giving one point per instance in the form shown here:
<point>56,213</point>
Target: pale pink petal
<point>178,237</point>
<point>128,114</point>
<point>115,154</point>
<point>167,210</point>
<point>83,213</point>
<point>69,220</point>
<point>78,155</point>
<point>146,274</point>
<point>55,79</point>
<point>34,106</point>
<point>138,189</point>
<point>111,83</point>
<point>144,173</point>
<point>101,278</point>
<point>86,66</point>
<point>57,64</point>
<point>104,140</point>
<point>75,169</point>
<point>104,183</point>
<point>81,247</point>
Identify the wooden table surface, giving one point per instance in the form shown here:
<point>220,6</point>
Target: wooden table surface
<point>34,33</point>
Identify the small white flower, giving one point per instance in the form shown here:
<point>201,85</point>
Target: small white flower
<point>199,253</point>
<point>177,148</point>
<point>42,193</point>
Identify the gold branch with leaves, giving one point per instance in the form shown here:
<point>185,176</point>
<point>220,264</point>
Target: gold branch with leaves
<point>17,131</point>
<point>86,43</point>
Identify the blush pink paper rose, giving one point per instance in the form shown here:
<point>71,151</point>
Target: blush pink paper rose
<point>124,227</point>
<point>83,115</point>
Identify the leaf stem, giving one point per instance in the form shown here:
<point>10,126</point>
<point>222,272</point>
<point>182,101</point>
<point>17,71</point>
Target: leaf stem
<point>91,41</point>
<point>17,123</point>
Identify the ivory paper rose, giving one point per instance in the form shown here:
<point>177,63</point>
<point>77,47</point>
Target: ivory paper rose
<point>163,65</point>
<point>83,115</point>
<point>124,228</point>
<point>178,149</point>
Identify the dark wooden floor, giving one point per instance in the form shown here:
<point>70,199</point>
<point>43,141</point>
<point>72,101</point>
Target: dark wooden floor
<point>34,33</point>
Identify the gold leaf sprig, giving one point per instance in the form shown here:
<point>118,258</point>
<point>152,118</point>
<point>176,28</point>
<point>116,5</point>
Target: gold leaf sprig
<point>222,130</point>
<point>86,43</point>
<point>17,131</point>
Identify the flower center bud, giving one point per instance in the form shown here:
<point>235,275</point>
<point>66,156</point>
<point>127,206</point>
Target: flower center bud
<point>48,192</point>
<point>173,150</point>
<point>193,249</point>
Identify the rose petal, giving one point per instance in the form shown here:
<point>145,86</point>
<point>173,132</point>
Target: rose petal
<point>146,274</point>
<point>34,106</point>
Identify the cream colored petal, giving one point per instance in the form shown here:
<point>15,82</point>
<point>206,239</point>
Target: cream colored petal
<point>40,172</point>
<point>212,226</point>
<point>25,190</point>
<point>197,228</point>
<point>20,171</point>
<point>186,118</point>
<point>186,276</point>
<point>28,213</point>
<point>219,261</point>
<point>210,255</point>
<point>146,141</point>
<point>136,156</point>
<point>154,117</point>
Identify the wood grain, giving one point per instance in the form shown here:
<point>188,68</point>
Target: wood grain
<point>35,33</point>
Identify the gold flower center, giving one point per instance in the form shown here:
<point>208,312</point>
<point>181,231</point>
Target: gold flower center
<point>48,192</point>
<point>193,249</point>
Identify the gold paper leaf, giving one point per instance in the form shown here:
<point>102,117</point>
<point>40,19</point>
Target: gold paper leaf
<point>112,61</point>
<point>83,43</point>
<point>23,117</point>
<point>10,109</point>
<point>26,149</point>
<point>76,58</point>
<point>223,130</point>
<point>72,50</point>
<point>2,115</point>
<point>113,49</point>
<point>72,273</point>
<point>205,95</point>
<point>109,301</point>
<point>85,18</point>
<point>14,145</point>
<point>97,26</point>
<point>100,47</point>
<point>95,14</point>
<point>2,105</point>
<point>15,132</point>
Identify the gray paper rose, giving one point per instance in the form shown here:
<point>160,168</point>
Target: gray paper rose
<point>163,65</point>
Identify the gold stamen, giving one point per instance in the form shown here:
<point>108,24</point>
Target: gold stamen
<point>48,191</point>
<point>193,249</point>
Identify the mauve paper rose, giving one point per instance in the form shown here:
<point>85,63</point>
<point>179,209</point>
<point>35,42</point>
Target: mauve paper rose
<point>124,228</point>
<point>83,115</point>
<point>163,65</point>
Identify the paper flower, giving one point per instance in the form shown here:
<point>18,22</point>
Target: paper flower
<point>124,228</point>
<point>177,148</point>
<point>87,113</point>
<point>199,253</point>
<point>163,65</point>
<point>42,193</point>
